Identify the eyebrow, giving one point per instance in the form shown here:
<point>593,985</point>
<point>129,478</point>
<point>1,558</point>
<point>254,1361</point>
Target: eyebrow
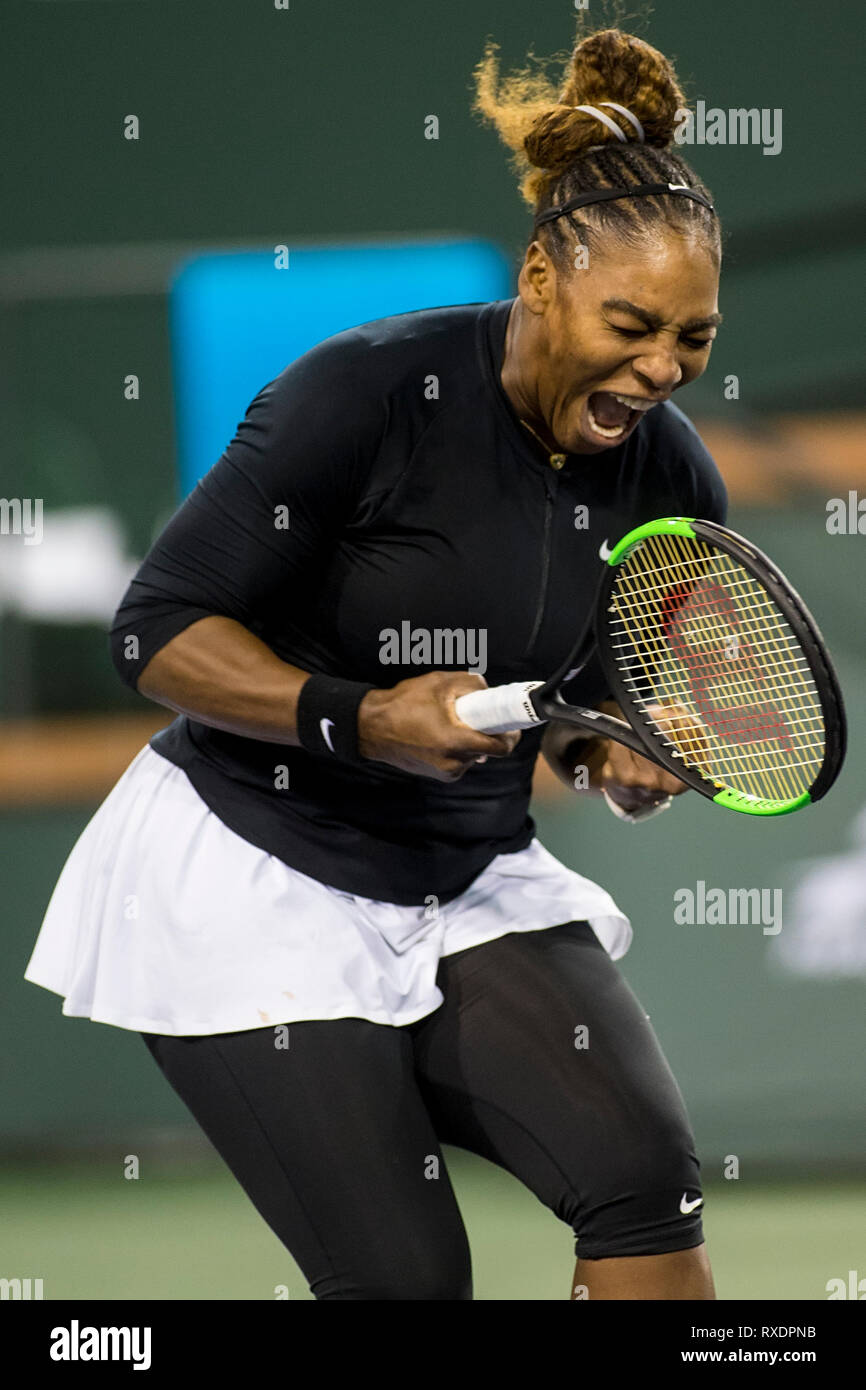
<point>655,321</point>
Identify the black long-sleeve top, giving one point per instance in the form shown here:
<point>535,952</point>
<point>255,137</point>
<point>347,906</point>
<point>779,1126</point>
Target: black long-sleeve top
<point>379,489</point>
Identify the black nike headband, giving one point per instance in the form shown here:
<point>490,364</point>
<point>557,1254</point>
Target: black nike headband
<point>640,190</point>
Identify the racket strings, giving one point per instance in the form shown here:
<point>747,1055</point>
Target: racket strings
<point>690,628</point>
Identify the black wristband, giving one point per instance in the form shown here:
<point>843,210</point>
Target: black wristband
<point>328,717</point>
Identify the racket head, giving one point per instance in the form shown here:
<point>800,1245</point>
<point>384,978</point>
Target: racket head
<point>693,615</point>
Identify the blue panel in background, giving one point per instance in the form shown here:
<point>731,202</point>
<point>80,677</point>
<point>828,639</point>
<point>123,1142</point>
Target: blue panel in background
<point>237,321</point>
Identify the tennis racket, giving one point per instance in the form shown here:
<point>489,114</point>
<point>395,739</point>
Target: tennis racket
<point>714,660</point>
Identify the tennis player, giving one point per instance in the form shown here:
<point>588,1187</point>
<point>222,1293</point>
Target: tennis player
<point>318,894</point>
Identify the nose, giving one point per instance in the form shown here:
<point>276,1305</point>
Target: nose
<point>659,368</point>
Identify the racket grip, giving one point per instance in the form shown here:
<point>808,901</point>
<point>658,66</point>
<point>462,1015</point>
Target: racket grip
<point>500,709</point>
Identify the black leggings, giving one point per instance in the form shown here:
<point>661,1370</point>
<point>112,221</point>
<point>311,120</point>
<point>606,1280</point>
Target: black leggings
<point>540,1059</point>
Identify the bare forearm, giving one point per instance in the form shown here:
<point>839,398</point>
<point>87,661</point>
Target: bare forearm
<point>221,674</point>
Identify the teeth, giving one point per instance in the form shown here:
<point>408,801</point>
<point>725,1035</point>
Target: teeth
<point>634,402</point>
<point>605,430</point>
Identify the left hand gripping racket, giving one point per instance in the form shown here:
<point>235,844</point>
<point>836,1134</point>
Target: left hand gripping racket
<point>714,660</point>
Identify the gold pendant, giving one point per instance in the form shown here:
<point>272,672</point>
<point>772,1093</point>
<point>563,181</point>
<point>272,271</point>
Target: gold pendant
<point>557,461</point>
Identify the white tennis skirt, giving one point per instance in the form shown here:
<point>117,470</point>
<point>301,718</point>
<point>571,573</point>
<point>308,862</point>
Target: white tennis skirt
<point>165,921</point>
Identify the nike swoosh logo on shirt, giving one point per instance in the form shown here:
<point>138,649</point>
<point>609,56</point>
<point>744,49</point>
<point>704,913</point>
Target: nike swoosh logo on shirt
<point>604,551</point>
<point>326,725</point>
<point>686,1206</point>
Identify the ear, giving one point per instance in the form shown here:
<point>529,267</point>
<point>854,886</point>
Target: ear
<point>537,281</point>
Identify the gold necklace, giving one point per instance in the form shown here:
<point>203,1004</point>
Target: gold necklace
<point>556,460</point>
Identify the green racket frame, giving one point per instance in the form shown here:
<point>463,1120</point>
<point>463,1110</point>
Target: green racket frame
<point>804,627</point>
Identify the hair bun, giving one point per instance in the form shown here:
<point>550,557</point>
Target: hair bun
<point>607,66</point>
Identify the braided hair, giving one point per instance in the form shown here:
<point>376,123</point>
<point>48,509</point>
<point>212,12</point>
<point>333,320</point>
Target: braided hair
<point>560,153</point>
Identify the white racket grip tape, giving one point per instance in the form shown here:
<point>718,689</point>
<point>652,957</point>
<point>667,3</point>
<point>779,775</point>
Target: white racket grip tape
<point>500,709</point>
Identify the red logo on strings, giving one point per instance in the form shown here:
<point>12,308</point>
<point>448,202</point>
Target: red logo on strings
<point>755,723</point>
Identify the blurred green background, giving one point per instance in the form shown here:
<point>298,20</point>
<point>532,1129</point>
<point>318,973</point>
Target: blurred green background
<point>304,126</point>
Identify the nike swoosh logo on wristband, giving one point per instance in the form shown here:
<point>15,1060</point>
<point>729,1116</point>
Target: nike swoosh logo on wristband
<point>326,725</point>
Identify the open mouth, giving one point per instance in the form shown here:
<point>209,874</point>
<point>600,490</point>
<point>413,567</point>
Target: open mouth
<point>611,415</point>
